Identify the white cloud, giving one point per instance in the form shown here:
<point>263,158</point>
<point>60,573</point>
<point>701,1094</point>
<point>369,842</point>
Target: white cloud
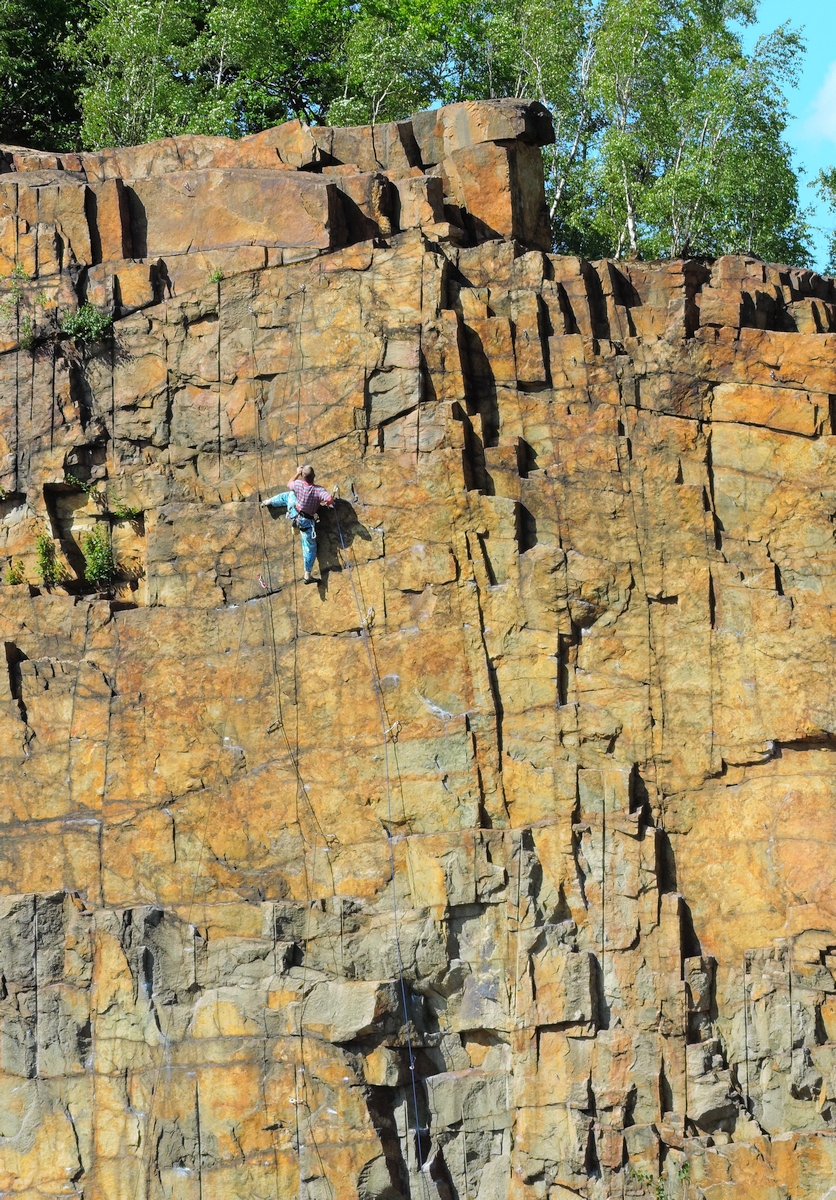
<point>822,120</point>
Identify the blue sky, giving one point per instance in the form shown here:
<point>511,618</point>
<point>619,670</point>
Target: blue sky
<point>812,132</point>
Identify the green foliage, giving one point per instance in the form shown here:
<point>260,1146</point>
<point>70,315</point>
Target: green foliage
<point>39,91</point>
<point>280,58</point>
<point>16,572</point>
<point>216,276</point>
<point>86,324</point>
<point>122,511</point>
<point>15,291</point>
<point>50,569</point>
<point>160,67</point>
<point>670,140</point>
<point>99,563</point>
<point>17,306</point>
<point>826,184</point>
<point>27,334</point>
<point>660,1188</point>
<point>89,489</point>
<point>392,67</point>
<point>105,499</point>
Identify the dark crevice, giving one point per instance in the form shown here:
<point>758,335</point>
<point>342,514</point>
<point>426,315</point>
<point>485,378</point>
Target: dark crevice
<point>81,394</point>
<point>708,497</point>
<point>567,658</point>
<point>380,1105</point>
<point>497,701</point>
<point>824,742</point>
<point>689,942</point>
<point>486,559</point>
<point>480,386</point>
<point>526,528</point>
<point>665,863</point>
<point>91,211</point>
<point>474,465</point>
<point>526,458</point>
<point>712,602</point>
<point>14,657</point>
<point>597,301</point>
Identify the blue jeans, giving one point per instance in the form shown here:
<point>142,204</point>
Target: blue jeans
<point>306,526</point>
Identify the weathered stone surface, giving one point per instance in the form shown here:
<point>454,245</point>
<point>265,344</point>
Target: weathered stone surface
<point>441,131</point>
<point>499,864</point>
<point>202,210</point>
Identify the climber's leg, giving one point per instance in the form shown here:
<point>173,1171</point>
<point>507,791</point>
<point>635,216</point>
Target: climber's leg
<point>282,500</point>
<point>307,528</point>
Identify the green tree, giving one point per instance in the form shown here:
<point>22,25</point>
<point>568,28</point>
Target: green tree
<point>389,71</point>
<point>403,55</point>
<point>826,184</point>
<point>39,93</point>
<point>154,68</point>
<point>280,58</point>
<point>669,138</point>
<point>147,65</point>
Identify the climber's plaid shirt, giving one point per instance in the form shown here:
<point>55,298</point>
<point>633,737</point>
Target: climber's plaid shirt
<point>308,496</point>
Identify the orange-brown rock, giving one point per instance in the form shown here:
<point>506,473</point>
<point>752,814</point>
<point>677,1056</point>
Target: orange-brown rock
<point>497,865</point>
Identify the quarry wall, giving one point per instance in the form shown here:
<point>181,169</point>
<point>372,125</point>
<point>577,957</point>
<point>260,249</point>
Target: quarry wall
<point>500,863</point>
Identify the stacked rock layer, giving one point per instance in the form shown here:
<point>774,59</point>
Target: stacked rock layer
<point>500,864</point>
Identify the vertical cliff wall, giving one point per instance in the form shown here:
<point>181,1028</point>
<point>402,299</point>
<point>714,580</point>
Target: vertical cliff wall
<point>499,864</point>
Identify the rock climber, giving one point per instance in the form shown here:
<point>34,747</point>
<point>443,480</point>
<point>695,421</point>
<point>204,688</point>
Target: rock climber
<point>302,500</point>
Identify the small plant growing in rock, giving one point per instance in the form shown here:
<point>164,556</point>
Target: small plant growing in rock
<point>217,275</point>
<point>99,563</point>
<point>657,1187</point>
<point>15,573</point>
<point>86,324</point>
<point>49,568</point>
<point>10,306</point>
<point>106,499</point>
<point>89,489</point>
<point>121,510</point>
<point>26,333</point>
<point>16,278</point>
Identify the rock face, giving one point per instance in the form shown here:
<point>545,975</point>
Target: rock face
<point>500,864</point>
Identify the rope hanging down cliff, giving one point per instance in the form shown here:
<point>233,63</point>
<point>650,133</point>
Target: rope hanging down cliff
<point>145,1160</point>
<point>386,730</point>
<point>302,789</point>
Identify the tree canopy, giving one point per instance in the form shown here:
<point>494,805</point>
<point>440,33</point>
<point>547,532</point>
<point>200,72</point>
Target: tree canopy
<point>39,90</point>
<point>827,190</point>
<point>670,137</point>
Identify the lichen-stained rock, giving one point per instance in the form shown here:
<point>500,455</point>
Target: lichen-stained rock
<point>497,865</point>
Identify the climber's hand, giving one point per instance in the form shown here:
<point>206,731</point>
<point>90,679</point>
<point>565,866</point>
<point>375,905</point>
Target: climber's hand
<point>336,494</point>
